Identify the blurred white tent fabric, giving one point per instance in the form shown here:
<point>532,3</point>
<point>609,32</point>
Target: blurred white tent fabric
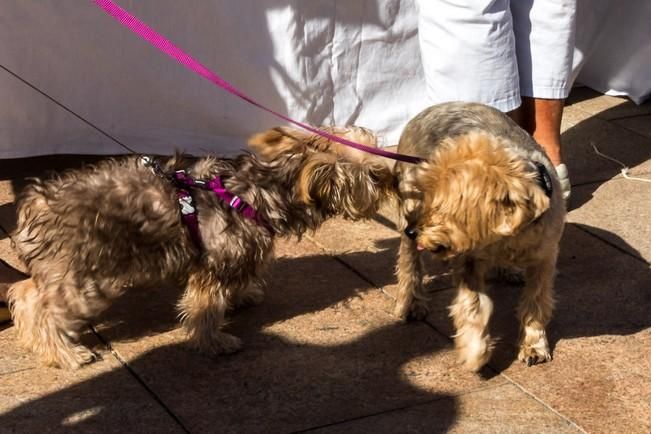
<point>72,80</point>
<point>613,47</point>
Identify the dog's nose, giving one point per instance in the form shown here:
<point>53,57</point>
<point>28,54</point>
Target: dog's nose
<point>411,232</point>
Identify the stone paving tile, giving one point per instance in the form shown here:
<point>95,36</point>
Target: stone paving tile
<point>367,246</point>
<point>12,357</point>
<point>389,215</point>
<point>602,382</point>
<point>371,248</point>
<point>8,274</point>
<point>600,334</point>
<point>7,222</point>
<point>7,194</point>
<point>320,348</point>
<point>501,409</point>
<point>586,166</point>
<point>572,116</point>
<point>605,106</point>
<point>639,124</point>
<point>102,397</point>
<point>617,211</point>
<point>9,256</point>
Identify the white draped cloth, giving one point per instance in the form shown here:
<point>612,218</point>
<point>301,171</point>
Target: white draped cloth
<point>72,80</point>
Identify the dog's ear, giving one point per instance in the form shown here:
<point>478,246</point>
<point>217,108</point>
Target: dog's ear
<point>271,143</point>
<point>366,186</point>
<point>524,203</point>
<point>381,174</point>
<point>317,179</point>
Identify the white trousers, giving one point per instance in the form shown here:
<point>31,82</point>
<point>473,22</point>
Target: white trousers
<point>495,51</point>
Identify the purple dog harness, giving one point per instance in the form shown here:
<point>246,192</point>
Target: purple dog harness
<point>185,183</point>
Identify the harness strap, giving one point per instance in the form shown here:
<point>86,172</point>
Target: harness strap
<point>544,178</point>
<point>216,185</point>
<point>189,216</point>
<point>237,203</point>
<point>184,184</point>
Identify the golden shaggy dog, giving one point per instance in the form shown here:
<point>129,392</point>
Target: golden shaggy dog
<point>486,197</point>
<point>92,234</point>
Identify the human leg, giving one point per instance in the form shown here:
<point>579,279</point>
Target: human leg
<point>544,35</point>
<point>542,119</point>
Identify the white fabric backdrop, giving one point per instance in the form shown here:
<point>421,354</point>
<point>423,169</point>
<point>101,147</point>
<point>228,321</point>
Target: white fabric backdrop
<point>613,47</point>
<point>69,71</point>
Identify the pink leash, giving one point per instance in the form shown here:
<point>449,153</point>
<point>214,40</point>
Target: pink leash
<point>167,47</point>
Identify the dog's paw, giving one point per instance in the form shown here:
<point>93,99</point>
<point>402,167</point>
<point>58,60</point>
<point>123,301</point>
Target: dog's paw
<point>71,358</point>
<point>474,349</point>
<point>221,343</point>
<point>401,311</point>
<point>533,356</point>
<point>534,347</point>
<point>252,297</point>
<point>511,276</point>
<point>473,359</point>
<point>418,310</point>
<point>476,363</point>
<point>85,356</point>
<point>229,343</point>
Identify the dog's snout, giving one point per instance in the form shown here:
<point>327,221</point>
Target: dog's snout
<point>411,232</point>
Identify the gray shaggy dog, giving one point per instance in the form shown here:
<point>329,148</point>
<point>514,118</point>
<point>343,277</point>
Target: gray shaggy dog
<point>486,197</point>
<point>89,235</point>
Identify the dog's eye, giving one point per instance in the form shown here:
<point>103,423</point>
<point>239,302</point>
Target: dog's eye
<point>439,249</point>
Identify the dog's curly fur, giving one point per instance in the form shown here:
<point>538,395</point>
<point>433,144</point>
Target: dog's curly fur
<point>269,144</point>
<point>89,235</point>
<point>477,202</point>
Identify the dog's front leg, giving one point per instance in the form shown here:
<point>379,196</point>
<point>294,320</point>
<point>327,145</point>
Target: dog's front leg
<point>471,312</point>
<point>410,301</point>
<point>535,311</point>
<point>202,310</point>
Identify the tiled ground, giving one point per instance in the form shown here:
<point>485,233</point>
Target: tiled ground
<point>324,354</point>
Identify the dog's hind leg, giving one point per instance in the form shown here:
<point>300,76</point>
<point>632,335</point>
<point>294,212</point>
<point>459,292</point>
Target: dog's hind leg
<point>45,323</point>
<point>471,312</point>
<point>410,301</point>
<point>252,295</point>
<point>202,309</point>
<point>535,311</point>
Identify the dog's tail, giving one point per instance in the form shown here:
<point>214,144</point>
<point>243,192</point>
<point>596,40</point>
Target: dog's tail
<point>32,218</point>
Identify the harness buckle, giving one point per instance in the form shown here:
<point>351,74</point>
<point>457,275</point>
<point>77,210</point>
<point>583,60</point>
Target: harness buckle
<point>237,203</point>
<point>187,204</point>
<point>152,164</point>
<point>146,160</point>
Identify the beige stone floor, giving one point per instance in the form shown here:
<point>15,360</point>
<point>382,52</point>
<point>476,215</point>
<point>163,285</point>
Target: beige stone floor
<point>324,354</point>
